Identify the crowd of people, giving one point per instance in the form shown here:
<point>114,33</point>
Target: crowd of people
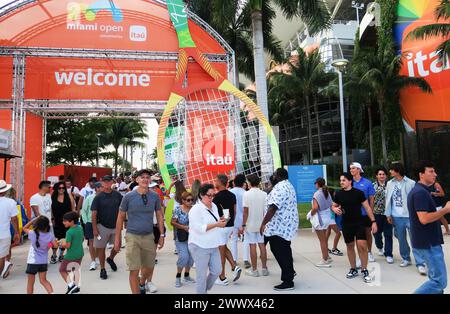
<point>210,218</point>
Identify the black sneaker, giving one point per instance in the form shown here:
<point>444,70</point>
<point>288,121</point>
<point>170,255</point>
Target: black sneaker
<point>336,252</point>
<point>103,274</point>
<point>284,286</point>
<point>352,273</point>
<point>366,276</point>
<point>247,265</point>
<point>111,263</point>
<point>142,289</point>
<point>53,259</point>
<point>60,258</point>
<point>75,289</point>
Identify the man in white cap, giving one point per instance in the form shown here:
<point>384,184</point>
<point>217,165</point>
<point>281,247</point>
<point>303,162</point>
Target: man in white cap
<point>8,215</point>
<point>367,188</point>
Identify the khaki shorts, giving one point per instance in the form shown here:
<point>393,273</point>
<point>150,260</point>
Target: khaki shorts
<point>140,251</point>
<point>107,236</point>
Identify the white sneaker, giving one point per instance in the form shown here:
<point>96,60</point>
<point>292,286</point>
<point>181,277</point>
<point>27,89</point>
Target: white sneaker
<point>358,263</point>
<point>6,269</point>
<point>324,264</point>
<point>252,273</point>
<point>221,282</point>
<point>109,246</point>
<point>405,263</point>
<point>236,273</point>
<point>390,260</point>
<point>93,266</point>
<point>371,258</point>
<point>151,287</point>
<point>265,272</point>
<point>380,252</point>
<point>422,270</point>
<point>97,261</point>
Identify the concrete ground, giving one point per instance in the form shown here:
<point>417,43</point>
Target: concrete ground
<point>310,279</point>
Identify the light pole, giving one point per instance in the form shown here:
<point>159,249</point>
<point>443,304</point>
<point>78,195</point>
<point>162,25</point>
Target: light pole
<point>98,147</point>
<point>340,65</point>
<point>358,6</point>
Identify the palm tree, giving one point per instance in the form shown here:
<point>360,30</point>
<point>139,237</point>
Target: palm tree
<point>309,78</point>
<point>312,12</point>
<point>440,29</point>
<point>282,109</point>
<point>118,130</point>
<point>386,83</point>
<point>234,24</point>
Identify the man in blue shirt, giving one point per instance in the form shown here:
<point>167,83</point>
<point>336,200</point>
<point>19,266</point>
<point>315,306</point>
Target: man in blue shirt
<point>367,188</point>
<point>426,233</point>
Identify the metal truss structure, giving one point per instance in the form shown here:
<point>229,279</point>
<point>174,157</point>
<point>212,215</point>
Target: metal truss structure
<point>50,109</point>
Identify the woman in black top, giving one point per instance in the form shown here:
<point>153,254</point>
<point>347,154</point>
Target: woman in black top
<point>62,203</point>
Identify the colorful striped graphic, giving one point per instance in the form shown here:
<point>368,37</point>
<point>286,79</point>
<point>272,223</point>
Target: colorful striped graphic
<point>408,12</point>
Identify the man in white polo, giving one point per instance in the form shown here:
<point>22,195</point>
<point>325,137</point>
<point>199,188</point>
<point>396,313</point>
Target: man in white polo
<point>8,214</point>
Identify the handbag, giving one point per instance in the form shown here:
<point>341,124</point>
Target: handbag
<point>182,235</point>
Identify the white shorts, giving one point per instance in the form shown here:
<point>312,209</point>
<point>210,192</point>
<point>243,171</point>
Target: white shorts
<point>325,217</point>
<point>5,244</point>
<point>253,237</point>
<point>226,233</point>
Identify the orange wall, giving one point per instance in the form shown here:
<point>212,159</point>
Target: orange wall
<point>33,156</point>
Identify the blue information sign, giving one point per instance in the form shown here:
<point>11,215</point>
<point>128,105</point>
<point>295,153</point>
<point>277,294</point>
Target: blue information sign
<point>303,178</point>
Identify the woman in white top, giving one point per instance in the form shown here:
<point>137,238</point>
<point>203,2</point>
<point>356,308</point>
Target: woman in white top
<point>205,230</point>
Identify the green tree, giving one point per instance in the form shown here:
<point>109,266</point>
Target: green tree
<point>118,130</point>
<point>72,142</point>
<point>386,83</point>
<point>439,29</point>
<point>307,80</point>
<point>235,26</point>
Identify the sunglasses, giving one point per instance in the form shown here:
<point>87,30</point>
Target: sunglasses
<point>189,200</point>
<point>61,188</point>
<point>210,195</point>
<point>144,199</point>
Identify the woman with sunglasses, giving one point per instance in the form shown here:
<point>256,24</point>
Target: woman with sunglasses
<point>180,221</point>
<point>205,231</point>
<point>62,202</point>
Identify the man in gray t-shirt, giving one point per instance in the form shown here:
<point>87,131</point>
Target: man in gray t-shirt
<point>105,208</point>
<point>140,215</point>
<point>139,206</point>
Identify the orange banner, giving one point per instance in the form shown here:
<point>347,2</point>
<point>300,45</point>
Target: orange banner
<point>57,78</point>
<point>97,24</point>
<point>6,77</point>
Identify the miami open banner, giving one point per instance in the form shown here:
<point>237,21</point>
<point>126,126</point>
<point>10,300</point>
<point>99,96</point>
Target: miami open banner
<point>421,60</point>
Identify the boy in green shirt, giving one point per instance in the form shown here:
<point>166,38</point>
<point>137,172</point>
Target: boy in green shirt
<point>74,245</point>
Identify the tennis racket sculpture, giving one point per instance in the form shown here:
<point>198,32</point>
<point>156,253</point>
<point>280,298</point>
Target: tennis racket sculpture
<point>212,127</point>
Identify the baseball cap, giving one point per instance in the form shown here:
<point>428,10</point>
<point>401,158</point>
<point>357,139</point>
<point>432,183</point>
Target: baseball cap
<point>357,165</point>
<point>98,185</point>
<point>107,178</point>
<point>144,171</point>
<point>153,184</point>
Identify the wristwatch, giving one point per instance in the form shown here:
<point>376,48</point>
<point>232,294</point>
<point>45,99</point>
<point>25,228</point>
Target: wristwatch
<point>243,226</point>
<point>373,222</point>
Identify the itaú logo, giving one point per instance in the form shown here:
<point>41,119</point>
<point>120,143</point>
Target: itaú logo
<point>422,64</point>
<point>76,10</point>
<point>218,156</point>
<point>89,78</point>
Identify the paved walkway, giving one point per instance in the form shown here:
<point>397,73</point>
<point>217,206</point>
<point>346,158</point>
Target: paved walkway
<point>310,279</point>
